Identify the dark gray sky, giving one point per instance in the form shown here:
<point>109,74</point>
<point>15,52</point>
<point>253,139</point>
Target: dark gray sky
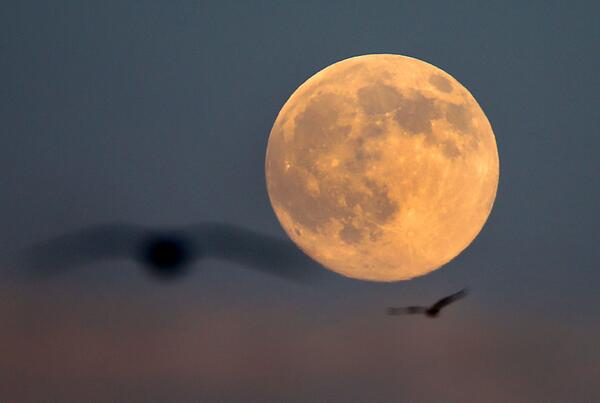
<point>158,113</point>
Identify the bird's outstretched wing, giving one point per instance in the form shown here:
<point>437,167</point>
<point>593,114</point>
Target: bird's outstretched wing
<point>407,310</point>
<point>448,300</point>
<point>250,249</point>
<point>110,241</point>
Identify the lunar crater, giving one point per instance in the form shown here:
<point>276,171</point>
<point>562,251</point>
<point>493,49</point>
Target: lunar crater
<point>416,113</point>
<point>459,117</point>
<point>440,82</point>
<point>379,98</point>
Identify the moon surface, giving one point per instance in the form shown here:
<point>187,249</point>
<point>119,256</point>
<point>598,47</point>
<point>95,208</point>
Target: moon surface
<point>382,167</point>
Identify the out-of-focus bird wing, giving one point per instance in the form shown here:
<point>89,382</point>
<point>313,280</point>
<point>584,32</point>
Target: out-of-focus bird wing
<point>407,310</point>
<point>448,300</point>
<point>82,247</point>
<point>250,249</point>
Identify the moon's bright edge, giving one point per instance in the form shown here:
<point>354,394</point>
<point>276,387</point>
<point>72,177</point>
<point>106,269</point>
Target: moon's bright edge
<point>382,167</point>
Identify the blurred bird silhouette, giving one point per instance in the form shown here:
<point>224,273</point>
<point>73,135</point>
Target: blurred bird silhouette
<point>169,254</point>
<point>432,311</point>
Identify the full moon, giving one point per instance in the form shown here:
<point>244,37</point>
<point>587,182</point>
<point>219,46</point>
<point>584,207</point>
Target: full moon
<point>382,167</point>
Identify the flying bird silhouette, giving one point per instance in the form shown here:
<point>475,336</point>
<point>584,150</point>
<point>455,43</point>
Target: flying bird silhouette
<point>169,253</point>
<point>432,311</point>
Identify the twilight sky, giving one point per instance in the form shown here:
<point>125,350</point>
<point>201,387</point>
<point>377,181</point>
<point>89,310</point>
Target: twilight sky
<point>158,113</point>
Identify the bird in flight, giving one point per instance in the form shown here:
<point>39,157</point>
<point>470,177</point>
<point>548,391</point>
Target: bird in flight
<point>430,311</point>
<point>168,253</point>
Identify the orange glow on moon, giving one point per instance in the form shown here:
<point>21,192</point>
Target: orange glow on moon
<point>382,167</point>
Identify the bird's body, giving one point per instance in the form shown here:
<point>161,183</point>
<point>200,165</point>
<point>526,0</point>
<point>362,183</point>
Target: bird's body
<point>165,255</point>
<point>432,311</point>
